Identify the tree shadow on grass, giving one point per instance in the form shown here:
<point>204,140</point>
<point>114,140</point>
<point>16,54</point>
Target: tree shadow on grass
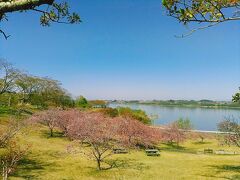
<point>56,134</point>
<point>128,164</point>
<point>30,169</point>
<point>226,168</point>
<point>201,143</point>
<point>170,147</point>
<point>120,164</point>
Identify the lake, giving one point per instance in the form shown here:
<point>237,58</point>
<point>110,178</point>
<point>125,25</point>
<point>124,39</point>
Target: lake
<point>202,118</point>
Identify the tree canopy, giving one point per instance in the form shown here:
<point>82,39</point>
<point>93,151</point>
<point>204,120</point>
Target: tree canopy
<point>50,11</point>
<point>236,97</point>
<point>17,87</point>
<point>209,12</point>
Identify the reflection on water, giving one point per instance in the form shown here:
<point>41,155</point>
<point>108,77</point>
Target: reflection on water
<point>202,118</point>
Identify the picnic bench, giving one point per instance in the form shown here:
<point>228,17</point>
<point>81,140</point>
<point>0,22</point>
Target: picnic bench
<point>120,151</point>
<point>223,152</point>
<point>208,151</point>
<point>152,152</point>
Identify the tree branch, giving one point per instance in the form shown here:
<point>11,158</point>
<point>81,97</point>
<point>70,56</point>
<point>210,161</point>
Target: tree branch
<point>49,16</point>
<point>196,29</point>
<point>4,34</point>
<point>20,5</point>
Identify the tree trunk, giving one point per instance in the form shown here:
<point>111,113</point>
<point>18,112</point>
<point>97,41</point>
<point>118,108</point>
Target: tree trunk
<point>51,132</point>
<point>5,176</point>
<point>9,101</point>
<point>99,164</point>
<point>4,173</point>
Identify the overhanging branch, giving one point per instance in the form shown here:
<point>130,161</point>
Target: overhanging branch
<point>20,5</point>
<point>4,34</point>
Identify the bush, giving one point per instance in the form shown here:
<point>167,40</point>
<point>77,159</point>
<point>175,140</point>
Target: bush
<point>139,115</point>
<point>81,102</point>
<point>184,124</point>
<point>110,112</point>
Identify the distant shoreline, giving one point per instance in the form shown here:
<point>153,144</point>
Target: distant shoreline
<point>214,106</point>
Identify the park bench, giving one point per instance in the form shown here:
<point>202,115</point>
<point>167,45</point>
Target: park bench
<point>120,151</point>
<point>208,151</point>
<point>152,152</point>
<point>223,152</point>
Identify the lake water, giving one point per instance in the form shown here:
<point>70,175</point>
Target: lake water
<point>202,118</point>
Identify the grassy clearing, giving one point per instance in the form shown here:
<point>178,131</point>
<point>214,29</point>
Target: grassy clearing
<point>50,160</point>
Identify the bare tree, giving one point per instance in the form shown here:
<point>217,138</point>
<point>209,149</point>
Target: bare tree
<point>8,76</point>
<point>9,131</point>
<point>9,160</point>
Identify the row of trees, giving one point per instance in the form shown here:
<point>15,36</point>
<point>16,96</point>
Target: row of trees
<point>101,133</point>
<point>17,87</point>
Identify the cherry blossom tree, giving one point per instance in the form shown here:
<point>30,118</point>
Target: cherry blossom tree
<point>103,134</point>
<point>173,134</point>
<point>231,128</point>
<point>50,118</point>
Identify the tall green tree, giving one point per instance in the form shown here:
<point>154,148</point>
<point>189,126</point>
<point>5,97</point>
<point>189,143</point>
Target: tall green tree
<point>236,97</point>
<point>184,124</point>
<point>82,102</point>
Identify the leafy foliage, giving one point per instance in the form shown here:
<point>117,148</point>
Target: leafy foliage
<point>17,87</point>
<point>184,124</point>
<point>50,10</point>
<point>139,115</point>
<point>81,102</point>
<point>57,12</point>
<point>236,97</point>
<point>203,11</point>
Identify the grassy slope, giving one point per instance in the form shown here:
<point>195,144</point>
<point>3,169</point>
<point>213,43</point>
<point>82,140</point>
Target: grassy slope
<point>49,160</point>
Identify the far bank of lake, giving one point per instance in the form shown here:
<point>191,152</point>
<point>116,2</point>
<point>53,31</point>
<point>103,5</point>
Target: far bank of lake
<point>202,118</point>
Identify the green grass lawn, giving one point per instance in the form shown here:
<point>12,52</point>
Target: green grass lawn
<point>50,160</point>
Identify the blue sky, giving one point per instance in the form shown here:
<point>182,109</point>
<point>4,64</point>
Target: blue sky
<point>126,49</point>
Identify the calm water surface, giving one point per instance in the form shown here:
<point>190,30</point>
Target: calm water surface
<point>202,118</point>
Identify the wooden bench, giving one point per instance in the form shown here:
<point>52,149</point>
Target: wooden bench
<point>120,151</point>
<point>152,152</point>
<point>208,151</point>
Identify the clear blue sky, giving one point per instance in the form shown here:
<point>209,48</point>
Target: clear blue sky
<point>126,49</point>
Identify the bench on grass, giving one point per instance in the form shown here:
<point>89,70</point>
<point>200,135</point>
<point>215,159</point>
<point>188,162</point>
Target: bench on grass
<point>208,151</point>
<point>152,152</point>
<point>120,151</point>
